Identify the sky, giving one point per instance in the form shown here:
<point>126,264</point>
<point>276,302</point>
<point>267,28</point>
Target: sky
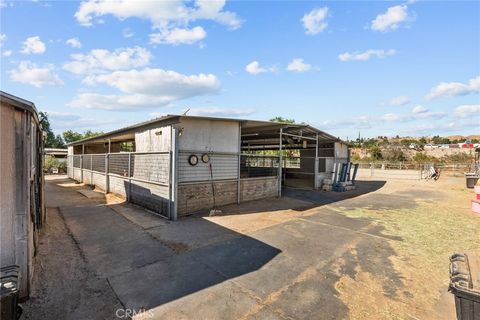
<point>347,67</point>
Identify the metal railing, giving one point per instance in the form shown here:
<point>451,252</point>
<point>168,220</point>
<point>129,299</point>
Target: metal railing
<point>151,171</point>
<point>258,166</point>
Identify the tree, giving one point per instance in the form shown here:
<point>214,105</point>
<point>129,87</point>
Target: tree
<point>282,119</point>
<point>440,140</point>
<point>375,152</point>
<point>71,136</point>
<point>51,141</point>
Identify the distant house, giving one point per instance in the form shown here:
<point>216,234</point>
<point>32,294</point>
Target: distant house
<point>21,193</point>
<point>60,154</point>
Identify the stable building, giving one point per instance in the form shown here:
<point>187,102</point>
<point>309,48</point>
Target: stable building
<point>177,165</point>
<point>22,206</point>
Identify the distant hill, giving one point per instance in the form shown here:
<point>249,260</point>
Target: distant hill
<point>472,136</point>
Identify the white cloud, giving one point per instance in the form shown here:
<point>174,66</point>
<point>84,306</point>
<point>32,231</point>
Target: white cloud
<point>165,16</point>
<point>468,110</point>
<point>255,68</point>
<point>33,45</point>
<point>418,113</point>
<point>102,60</point>
<point>221,112</point>
<point>315,22</point>
<point>127,33</point>
<point>366,55</point>
<point>117,102</point>
<point>395,117</point>
<point>429,115</point>
<point>3,38</point>
<point>298,65</point>
<point>399,101</point>
<point>7,53</point>
<point>419,109</point>
<point>34,75</point>
<point>158,82</point>
<point>145,88</point>
<point>74,43</point>
<point>391,19</point>
<point>454,89</point>
<point>178,36</point>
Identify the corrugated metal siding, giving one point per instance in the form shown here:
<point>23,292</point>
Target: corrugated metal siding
<point>151,167</point>
<point>224,167</point>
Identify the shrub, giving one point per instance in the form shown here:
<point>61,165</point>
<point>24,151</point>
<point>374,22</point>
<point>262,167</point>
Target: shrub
<point>376,153</point>
<point>51,162</point>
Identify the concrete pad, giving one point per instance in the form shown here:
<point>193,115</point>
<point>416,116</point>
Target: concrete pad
<point>378,201</point>
<point>271,277</point>
<point>236,257</point>
<point>107,259</point>
<point>111,243</point>
<point>164,281</point>
<point>91,194</point>
<point>313,298</point>
<point>139,216</point>
<point>266,314</point>
<point>222,301</point>
<point>305,241</point>
<point>334,218</point>
<point>191,233</point>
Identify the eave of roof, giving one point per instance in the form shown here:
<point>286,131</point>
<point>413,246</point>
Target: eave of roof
<point>20,103</point>
<point>168,119</point>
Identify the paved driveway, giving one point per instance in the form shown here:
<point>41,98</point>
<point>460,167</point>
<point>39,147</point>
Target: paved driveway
<point>197,268</point>
<point>274,259</point>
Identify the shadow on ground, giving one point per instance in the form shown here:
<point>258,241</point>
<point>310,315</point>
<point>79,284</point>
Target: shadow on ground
<point>298,199</point>
<point>199,268</point>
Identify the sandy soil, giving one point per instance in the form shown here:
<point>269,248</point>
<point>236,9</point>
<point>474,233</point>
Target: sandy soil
<point>63,287</point>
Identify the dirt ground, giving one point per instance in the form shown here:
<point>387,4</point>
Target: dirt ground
<point>380,252</point>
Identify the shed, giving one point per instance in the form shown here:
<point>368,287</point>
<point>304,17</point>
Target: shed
<point>177,165</point>
<point>21,191</point>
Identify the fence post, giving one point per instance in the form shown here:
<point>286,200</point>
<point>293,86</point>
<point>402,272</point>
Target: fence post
<point>107,180</point>
<point>280,164</point>
<point>91,169</point>
<point>129,176</point>
<point>173,214</point>
<point>81,168</point>
<point>239,160</point>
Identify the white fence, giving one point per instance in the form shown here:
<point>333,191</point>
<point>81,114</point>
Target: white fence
<point>408,170</point>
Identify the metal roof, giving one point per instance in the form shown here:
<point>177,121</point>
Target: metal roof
<point>266,127</point>
<point>19,103</point>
